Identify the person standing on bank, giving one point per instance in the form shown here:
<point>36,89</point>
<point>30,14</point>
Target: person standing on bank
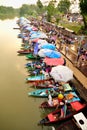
<point>66,50</point>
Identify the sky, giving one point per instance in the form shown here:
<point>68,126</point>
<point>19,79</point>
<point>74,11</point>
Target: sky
<point>18,3</point>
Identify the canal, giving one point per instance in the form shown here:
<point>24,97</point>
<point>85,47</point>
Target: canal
<point>17,110</point>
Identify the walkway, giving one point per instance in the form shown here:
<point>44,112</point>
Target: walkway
<point>78,75</point>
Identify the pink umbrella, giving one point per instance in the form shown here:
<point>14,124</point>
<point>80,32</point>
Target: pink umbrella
<point>54,61</point>
<point>35,40</point>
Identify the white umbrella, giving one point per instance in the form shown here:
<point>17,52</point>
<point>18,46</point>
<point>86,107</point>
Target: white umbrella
<point>61,73</point>
<point>41,52</point>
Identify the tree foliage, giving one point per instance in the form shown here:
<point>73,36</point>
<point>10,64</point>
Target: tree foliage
<point>64,6</point>
<point>50,10</point>
<point>83,9</point>
<point>27,10</point>
<point>39,4</point>
<point>7,12</point>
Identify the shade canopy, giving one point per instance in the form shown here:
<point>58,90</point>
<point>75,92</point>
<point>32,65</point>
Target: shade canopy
<point>53,54</point>
<point>61,73</point>
<point>41,52</point>
<point>48,46</point>
<point>54,61</point>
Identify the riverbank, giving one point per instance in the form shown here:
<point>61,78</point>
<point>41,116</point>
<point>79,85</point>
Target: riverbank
<point>79,76</point>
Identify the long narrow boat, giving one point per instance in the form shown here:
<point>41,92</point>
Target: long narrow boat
<point>66,87</point>
<point>27,51</point>
<point>31,56</point>
<point>43,93</point>
<point>68,125</point>
<point>55,101</point>
<point>38,78</point>
<point>62,114</point>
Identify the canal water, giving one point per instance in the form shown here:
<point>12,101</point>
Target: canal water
<point>17,110</point>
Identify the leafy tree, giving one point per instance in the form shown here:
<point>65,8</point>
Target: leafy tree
<point>83,9</point>
<point>27,10</point>
<point>7,12</point>
<point>50,10</point>
<point>64,6</point>
<point>39,4</point>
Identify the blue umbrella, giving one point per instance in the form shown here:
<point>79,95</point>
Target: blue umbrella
<point>48,46</point>
<point>53,54</point>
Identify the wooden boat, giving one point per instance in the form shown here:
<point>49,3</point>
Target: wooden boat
<point>35,72</point>
<point>24,51</point>
<point>55,101</point>
<point>42,84</point>
<point>43,93</point>
<point>30,64</point>
<point>63,114</point>
<point>37,64</point>
<point>65,88</point>
<point>37,78</point>
<point>31,56</point>
<point>68,125</point>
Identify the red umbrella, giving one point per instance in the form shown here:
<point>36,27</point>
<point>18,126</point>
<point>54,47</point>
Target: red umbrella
<point>54,61</point>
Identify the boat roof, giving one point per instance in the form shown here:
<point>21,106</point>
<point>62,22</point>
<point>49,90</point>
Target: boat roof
<point>77,105</point>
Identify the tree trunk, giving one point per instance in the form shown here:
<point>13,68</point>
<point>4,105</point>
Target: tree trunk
<point>85,21</point>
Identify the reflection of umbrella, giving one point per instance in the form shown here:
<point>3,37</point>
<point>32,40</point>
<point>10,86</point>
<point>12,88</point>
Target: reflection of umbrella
<point>61,73</point>
<point>48,46</point>
<point>53,54</point>
<point>54,61</point>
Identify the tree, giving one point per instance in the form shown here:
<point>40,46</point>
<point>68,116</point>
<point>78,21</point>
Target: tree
<point>64,6</point>
<point>27,10</point>
<point>83,9</point>
<point>39,4</point>
<point>50,10</point>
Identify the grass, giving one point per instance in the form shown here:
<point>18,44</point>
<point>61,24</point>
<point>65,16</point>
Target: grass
<point>76,27</point>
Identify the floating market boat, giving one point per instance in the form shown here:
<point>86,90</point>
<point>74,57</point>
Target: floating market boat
<point>43,93</point>
<point>38,78</point>
<point>66,112</point>
<point>68,125</point>
<point>70,96</point>
<point>31,56</point>
<point>24,51</point>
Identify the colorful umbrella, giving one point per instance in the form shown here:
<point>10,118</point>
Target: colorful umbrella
<point>61,73</point>
<point>54,61</point>
<point>53,54</point>
<point>48,46</point>
<point>41,52</point>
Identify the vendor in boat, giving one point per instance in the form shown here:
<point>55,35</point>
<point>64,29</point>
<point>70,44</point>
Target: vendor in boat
<point>50,101</point>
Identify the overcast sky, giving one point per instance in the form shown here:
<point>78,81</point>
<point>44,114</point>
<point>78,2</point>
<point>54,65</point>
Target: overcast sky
<point>18,3</point>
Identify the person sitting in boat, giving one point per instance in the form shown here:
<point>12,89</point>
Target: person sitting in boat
<point>50,101</point>
<point>46,75</point>
<point>64,109</point>
<point>48,69</point>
